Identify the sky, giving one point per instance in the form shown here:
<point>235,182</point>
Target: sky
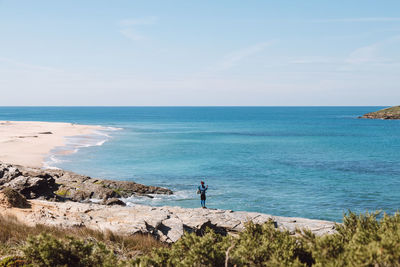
<point>199,53</point>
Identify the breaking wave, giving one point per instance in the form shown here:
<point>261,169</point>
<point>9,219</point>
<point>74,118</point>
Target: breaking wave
<point>74,143</point>
<point>159,199</point>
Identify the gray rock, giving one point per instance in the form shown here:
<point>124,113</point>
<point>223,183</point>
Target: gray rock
<point>31,187</point>
<point>113,201</point>
<point>170,230</point>
<point>8,172</point>
<point>83,187</point>
<point>65,185</point>
<point>167,224</point>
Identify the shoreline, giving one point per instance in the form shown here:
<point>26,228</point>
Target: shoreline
<point>64,199</point>
<point>29,143</point>
<point>167,224</point>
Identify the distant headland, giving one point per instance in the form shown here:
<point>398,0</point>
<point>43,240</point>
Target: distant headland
<point>392,113</point>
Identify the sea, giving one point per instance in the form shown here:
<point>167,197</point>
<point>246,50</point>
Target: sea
<point>312,162</point>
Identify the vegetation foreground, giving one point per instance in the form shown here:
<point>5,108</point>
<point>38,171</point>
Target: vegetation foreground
<point>362,240</point>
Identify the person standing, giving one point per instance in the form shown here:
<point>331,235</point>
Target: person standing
<point>202,191</point>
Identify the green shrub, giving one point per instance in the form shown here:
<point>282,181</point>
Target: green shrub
<point>258,245</point>
<point>191,250</point>
<point>46,250</point>
<point>12,262</point>
<point>361,240</point>
<point>263,245</point>
<point>14,234</point>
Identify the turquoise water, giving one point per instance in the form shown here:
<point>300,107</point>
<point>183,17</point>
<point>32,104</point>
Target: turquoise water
<point>314,162</point>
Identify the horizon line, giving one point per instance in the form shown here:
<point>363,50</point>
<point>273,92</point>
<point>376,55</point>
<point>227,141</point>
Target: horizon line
<point>177,106</point>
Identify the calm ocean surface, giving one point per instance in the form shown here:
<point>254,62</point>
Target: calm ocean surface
<point>314,162</point>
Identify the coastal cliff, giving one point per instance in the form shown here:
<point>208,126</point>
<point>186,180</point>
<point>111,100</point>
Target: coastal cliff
<point>392,113</point>
<point>63,185</point>
<point>62,198</point>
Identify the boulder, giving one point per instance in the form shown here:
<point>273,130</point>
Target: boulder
<point>12,198</point>
<point>38,185</point>
<point>113,201</point>
<point>8,172</point>
<point>33,187</point>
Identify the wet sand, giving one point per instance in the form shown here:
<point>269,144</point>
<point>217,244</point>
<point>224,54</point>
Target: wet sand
<point>28,143</point>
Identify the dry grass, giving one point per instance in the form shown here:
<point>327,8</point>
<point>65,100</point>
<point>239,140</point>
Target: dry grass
<point>14,233</point>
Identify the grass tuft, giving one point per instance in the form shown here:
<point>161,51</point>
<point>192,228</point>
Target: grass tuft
<point>14,235</point>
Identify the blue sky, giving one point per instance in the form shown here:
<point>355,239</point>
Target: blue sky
<point>199,52</point>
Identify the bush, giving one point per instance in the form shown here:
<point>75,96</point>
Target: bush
<point>12,262</point>
<point>263,245</point>
<point>361,240</point>
<point>13,236</point>
<point>46,250</point>
<point>190,250</point>
<point>258,245</point>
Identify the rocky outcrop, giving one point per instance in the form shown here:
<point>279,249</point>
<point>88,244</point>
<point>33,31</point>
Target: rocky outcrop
<point>392,113</point>
<point>40,185</point>
<point>64,185</point>
<point>10,198</point>
<point>113,201</point>
<point>167,224</point>
<point>79,188</point>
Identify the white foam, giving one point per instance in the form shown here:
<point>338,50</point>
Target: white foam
<point>75,143</point>
<point>109,128</point>
<point>100,143</point>
<point>96,200</point>
<point>102,134</point>
<point>49,163</point>
<point>160,198</point>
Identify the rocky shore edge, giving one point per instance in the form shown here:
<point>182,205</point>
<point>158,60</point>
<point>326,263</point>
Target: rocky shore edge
<point>392,113</point>
<point>62,198</point>
<point>60,185</point>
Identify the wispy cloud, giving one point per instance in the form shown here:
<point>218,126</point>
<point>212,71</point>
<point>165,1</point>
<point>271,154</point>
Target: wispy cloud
<point>365,54</point>
<point>235,57</point>
<point>132,34</point>
<point>129,27</point>
<point>375,53</point>
<point>315,60</point>
<point>139,21</point>
<point>28,65</point>
<point>366,19</point>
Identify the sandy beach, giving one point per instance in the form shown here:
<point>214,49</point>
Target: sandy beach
<point>27,143</point>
